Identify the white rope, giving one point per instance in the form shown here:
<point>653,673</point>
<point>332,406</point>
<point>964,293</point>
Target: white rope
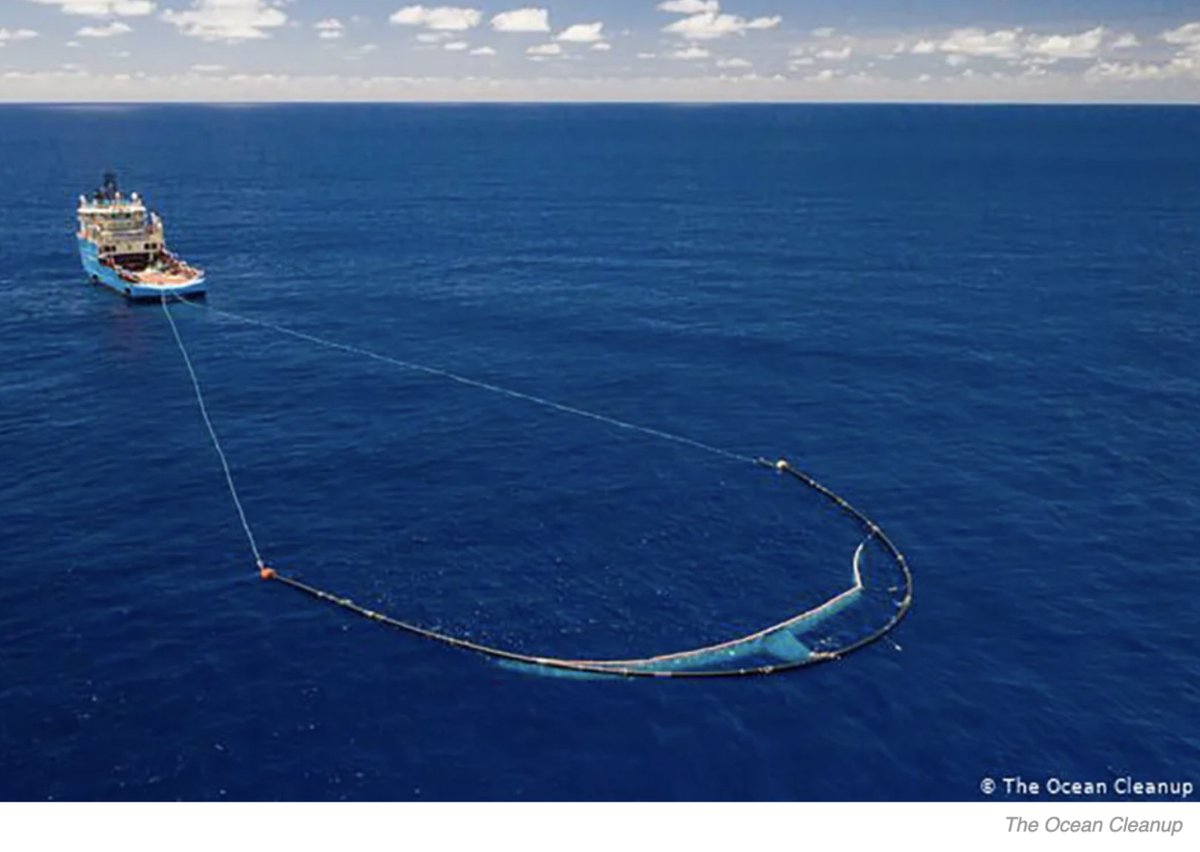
<point>476,383</point>
<point>213,434</point>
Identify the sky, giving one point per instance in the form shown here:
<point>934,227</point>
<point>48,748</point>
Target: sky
<point>601,50</point>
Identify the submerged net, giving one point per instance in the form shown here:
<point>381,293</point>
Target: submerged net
<point>876,595</point>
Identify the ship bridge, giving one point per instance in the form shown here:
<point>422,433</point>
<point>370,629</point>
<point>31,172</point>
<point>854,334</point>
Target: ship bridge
<point>119,226</point>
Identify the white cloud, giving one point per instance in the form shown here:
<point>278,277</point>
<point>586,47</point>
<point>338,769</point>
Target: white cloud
<point>113,28</point>
<point>710,25</point>
<point>1015,44</point>
<point>601,45</point>
<point>455,46</point>
<point>647,56</point>
<point>227,20</point>
<point>437,17</point>
<point>483,51</point>
<point>583,33</point>
<point>689,7</point>
<point>1187,34</point>
<point>545,50</point>
<point>16,35</point>
<point>733,62</point>
<point>1137,72</point>
<point>827,75</point>
<point>433,38</point>
<point>839,55</point>
<point>824,32</point>
<point>690,52</point>
<point>1083,45</point>
<point>102,8</point>
<point>972,41</point>
<point>1126,40</point>
<point>526,20</point>
<point>208,69</point>
<point>329,28</point>
<point>956,59</point>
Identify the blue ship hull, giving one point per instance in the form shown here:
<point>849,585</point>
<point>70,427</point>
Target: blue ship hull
<point>108,277</point>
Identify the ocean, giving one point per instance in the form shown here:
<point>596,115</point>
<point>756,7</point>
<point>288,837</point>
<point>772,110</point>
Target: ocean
<point>978,324</point>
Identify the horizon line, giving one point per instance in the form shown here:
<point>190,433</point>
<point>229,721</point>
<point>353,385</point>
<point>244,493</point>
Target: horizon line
<point>604,102</point>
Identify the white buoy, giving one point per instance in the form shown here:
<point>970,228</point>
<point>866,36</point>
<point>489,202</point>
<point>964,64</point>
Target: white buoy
<point>781,465</point>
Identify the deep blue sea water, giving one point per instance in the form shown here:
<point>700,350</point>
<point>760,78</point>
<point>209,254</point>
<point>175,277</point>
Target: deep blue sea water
<point>978,324</point>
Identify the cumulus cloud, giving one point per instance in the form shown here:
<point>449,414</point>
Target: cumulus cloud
<point>824,32</point>
<point>733,62</point>
<point>712,25</point>
<point>1188,34</point>
<point>601,45</point>
<point>839,55</point>
<point>689,7</point>
<point>583,33</point>
<point>228,20</point>
<point>1137,72</point>
<point>973,41</point>
<point>483,51</point>
<point>455,46</point>
<point>113,28</point>
<point>1083,45</point>
<point>329,28</point>
<point>451,18</point>
<point>545,50</point>
<point>1015,45</point>
<point>690,52</point>
<point>208,69</point>
<point>526,20</point>
<point>827,75</point>
<point>1126,40</point>
<point>16,35</point>
<point>102,8</point>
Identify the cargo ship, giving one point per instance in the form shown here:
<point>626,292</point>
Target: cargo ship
<point>122,247</point>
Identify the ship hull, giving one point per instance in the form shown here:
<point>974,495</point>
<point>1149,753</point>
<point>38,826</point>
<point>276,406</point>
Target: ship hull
<point>106,276</point>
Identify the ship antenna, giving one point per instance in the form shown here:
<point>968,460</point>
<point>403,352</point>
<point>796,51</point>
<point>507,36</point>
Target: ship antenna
<point>110,186</point>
